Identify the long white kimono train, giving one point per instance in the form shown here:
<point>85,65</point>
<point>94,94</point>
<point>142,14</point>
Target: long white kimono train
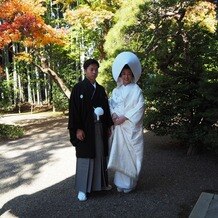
<point>126,151</point>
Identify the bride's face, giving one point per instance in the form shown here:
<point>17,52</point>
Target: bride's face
<point>126,76</point>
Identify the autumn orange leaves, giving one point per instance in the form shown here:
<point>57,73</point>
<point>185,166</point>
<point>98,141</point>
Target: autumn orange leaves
<point>21,21</point>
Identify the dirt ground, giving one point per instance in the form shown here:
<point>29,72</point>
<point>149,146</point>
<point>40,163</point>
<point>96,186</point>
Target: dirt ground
<point>38,172</point>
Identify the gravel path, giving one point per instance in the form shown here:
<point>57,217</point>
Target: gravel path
<point>37,177</point>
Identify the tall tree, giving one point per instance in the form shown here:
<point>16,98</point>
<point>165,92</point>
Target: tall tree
<point>177,43</point>
<point>90,22</point>
<point>22,22</point>
<point>126,16</point>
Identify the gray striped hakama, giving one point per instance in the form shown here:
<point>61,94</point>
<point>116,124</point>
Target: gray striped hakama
<point>91,174</point>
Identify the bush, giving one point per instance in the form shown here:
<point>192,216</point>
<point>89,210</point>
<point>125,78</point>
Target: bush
<point>10,131</point>
<point>179,59</point>
<point>60,101</point>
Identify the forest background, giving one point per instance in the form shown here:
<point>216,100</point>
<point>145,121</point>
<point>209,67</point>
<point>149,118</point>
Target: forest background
<point>43,44</point>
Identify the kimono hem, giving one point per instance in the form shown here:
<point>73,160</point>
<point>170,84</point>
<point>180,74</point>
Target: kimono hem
<point>91,174</point>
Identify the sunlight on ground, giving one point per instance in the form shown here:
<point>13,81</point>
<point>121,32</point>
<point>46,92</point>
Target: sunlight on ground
<point>28,180</point>
<point>38,160</point>
<point>13,118</point>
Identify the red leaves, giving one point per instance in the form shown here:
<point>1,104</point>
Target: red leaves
<point>21,23</point>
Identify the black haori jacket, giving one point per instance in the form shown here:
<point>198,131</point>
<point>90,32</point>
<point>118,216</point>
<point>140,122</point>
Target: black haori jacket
<point>84,98</point>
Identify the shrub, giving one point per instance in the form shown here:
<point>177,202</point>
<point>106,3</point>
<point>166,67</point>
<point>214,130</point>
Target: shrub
<point>11,131</point>
<point>60,101</point>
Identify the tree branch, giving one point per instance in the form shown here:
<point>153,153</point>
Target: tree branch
<point>55,78</point>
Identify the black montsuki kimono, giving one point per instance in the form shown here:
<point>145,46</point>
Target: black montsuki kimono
<point>84,98</point>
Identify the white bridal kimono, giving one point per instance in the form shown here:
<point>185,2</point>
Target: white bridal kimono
<point>126,141</point>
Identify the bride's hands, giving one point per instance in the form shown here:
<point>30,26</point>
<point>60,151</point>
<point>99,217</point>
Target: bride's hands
<point>120,120</point>
<point>114,117</point>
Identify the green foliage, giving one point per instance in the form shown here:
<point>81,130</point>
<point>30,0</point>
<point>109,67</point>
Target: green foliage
<point>5,95</point>
<point>116,39</point>
<point>105,76</point>
<point>60,101</point>
<point>10,131</point>
<point>179,58</point>
<point>90,23</point>
<point>176,42</point>
<point>67,66</point>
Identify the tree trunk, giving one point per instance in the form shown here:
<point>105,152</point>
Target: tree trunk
<point>45,88</point>
<point>55,78</point>
<point>38,88</point>
<point>29,89</point>
<point>7,64</point>
<point>20,90</point>
<point>14,77</point>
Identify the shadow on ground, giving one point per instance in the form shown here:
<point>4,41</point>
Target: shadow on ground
<point>21,160</point>
<point>169,186</point>
<point>60,200</point>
